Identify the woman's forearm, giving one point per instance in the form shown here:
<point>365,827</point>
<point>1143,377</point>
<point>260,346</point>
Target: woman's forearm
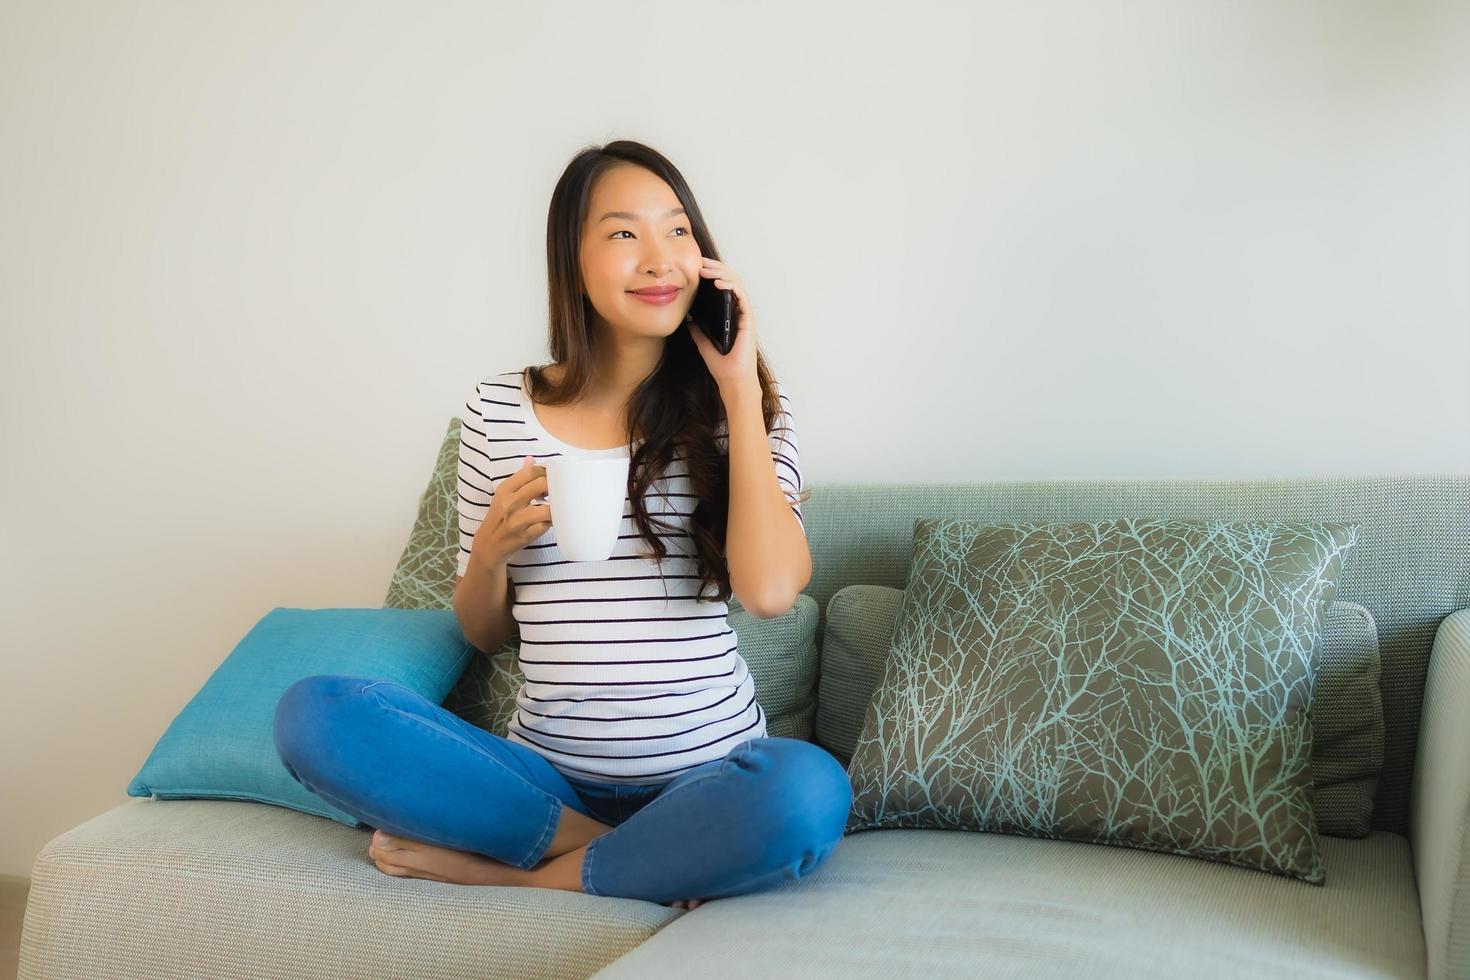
<point>765,543</point>
<point>482,604</point>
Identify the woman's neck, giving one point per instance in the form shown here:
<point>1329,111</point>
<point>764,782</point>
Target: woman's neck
<point>609,393</point>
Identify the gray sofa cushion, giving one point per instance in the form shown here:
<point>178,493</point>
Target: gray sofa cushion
<point>1347,723</point>
<point>216,888</point>
<point>909,904</point>
<point>1347,747</point>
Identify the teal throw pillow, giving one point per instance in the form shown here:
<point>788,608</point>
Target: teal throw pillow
<point>221,746</point>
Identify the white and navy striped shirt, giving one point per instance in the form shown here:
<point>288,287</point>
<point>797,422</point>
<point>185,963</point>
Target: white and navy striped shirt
<point>631,678</point>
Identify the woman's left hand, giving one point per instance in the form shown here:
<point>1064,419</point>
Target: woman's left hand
<point>734,371</point>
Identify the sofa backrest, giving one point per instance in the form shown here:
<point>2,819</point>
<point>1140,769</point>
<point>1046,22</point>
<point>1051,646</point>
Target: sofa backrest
<point>1410,567</point>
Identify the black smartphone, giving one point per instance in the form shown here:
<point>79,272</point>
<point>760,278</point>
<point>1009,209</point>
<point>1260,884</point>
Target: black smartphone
<point>713,311</point>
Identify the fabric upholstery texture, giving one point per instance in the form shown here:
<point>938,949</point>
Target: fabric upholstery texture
<point>217,888</point>
<point>1347,712</point>
<point>429,564</point>
<point>221,745</point>
<point>1440,827</point>
<point>1139,683</point>
<point>1347,723</point>
<point>919,904</point>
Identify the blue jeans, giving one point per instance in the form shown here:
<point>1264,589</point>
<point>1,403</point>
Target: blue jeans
<point>770,811</point>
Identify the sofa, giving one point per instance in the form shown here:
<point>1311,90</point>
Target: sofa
<point>213,888</point>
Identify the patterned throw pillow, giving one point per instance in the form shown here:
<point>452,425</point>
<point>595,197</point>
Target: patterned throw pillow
<point>1347,709</point>
<point>424,576</point>
<point>1138,683</point>
<point>781,652</point>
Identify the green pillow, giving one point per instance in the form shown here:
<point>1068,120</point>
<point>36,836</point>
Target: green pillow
<point>1137,683</point>
<point>1347,710</point>
<point>426,570</point>
<point>781,652</point>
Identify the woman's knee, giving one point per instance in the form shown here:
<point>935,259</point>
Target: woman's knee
<point>805,790</point>
<point>305,712</point>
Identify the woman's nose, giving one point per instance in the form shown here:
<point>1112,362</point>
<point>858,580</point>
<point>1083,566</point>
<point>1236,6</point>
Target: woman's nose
<point>656,259</point>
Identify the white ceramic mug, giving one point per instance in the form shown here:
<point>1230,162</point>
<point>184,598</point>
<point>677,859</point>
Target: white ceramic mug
<point>586,497</point>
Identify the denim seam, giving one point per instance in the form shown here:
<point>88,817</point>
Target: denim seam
<point>587,867</point>
<point>539,851</point>
<point>525,864</point>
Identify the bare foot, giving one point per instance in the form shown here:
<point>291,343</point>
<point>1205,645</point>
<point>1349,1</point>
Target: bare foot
<point>406,858</point>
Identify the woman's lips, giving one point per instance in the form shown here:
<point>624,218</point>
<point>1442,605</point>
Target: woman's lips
<point>656,299</point>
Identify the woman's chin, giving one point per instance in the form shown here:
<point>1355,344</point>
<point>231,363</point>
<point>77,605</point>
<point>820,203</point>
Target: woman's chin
<point>657,330</point>
<point>654,322</point>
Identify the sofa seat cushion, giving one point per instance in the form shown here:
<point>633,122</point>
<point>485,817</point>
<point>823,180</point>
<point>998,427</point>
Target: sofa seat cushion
<point>943,903</point>
<point>172,888</point>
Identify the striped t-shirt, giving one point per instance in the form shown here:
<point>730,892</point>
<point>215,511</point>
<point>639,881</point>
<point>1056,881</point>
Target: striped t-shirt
<point>631,678</point>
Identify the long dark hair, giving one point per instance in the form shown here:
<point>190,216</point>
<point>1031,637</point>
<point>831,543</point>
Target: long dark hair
<point>678,407</point>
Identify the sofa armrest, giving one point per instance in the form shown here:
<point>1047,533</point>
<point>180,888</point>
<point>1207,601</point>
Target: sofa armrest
<point>1439,809</point>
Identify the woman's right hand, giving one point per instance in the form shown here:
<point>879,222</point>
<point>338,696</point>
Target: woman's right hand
<point>512,520</point>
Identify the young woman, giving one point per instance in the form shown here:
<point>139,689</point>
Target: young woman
<point>637,763</point>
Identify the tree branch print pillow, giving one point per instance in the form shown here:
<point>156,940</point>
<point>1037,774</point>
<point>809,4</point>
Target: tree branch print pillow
<point>1135,683</point>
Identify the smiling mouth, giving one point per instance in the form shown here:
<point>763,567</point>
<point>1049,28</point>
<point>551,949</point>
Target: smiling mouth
<point>656,299</point>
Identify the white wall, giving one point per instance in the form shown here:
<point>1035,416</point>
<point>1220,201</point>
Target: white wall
<point>254,255</point>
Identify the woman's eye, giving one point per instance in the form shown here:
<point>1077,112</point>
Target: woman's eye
<point>625,231</point>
